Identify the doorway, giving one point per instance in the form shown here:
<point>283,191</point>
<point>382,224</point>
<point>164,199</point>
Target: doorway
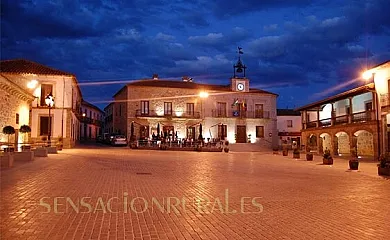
<point>241,134</point>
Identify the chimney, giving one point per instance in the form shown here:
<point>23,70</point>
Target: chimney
<point>155,76</point>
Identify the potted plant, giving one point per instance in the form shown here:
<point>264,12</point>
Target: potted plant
<point>226,148</point>
<point>296,154</point>
<point>275,150</point>
<point>354,161</point>
<point>327,158</point>
<point>309,155</point>
<point>285,148</point>
<point>384,165</point>
<point>9,130</point>
<point>60,144</point>
<point>25,129</point>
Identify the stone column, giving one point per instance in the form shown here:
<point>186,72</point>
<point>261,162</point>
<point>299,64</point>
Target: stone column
<point>318,118</point>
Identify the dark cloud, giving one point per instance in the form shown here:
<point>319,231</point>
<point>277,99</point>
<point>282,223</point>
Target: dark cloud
<point>285,43</point>
<point>224,9</point>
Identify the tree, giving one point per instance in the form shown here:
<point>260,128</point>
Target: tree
<point>8,130</point>
<point>24,129</point>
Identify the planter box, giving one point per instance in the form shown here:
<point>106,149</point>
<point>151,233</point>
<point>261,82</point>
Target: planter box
<point>296,155</point>
<point>353,165</point>
<point>26,148</point>
<point>52,150</point>
<point>24,156</point>
<point>7,160</point>
<point>383,171</point>
<point>327,161</point>
<point>309,157</point>
<point>40,152</point>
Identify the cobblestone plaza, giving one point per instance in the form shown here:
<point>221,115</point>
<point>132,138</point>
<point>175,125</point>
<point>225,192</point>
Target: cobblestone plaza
<point>118,193</point>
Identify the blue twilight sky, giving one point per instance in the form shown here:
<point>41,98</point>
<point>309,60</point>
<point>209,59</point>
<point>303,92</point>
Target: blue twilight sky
<point>301,49</point>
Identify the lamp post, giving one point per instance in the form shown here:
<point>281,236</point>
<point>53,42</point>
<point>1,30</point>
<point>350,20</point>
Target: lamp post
<point>49,100</point>
<point>84,127</point>
<point>367,75</point>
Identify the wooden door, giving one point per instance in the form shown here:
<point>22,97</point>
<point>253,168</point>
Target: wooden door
<point>241,134</point>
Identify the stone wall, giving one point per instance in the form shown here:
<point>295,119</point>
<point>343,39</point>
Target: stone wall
<point>345,142</point>
<point>204,106</point>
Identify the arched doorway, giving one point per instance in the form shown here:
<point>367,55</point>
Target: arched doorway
<point>364,143</point>
<point>312,142</point>
<point>326,142</point>
<point>343,143</point>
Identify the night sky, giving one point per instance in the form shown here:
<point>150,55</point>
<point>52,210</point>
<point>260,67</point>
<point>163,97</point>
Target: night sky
<point>301,50</point>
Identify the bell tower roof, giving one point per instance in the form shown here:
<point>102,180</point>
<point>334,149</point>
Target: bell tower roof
<point>239,69</point>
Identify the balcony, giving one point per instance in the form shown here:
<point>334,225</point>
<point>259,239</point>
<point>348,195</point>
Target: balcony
<point>363,116</point>
<point>358,117</point>
<point>385,100</point>
<point>341,119</point>
<point>88,120</point>
<point>173,114</point>
<point>240,114</point>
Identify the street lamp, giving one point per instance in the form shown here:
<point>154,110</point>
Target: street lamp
<point>49,100</point>
<point>367,75</point>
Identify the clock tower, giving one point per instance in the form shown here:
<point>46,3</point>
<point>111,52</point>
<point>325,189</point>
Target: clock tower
<point>239,82</point>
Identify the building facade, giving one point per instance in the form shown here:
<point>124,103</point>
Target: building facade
<point>15,101</point>
<point>41,81</point>
<point>233,112</point>
<point>91,125</point>
<point>289,127</point>
<point>108,119</point>
<point>357,119</point>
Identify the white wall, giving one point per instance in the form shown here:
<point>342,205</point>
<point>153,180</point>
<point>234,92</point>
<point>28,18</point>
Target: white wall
<point>282,123</point>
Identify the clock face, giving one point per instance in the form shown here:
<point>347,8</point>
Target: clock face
<point>240,87</point>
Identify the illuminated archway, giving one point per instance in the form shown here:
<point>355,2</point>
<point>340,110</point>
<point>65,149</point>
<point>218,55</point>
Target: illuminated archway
<point>364,143</point>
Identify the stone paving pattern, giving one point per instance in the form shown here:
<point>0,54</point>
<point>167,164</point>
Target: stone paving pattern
<point>299,199</point>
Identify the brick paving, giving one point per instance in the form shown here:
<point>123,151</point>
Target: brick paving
<point>295,199</point>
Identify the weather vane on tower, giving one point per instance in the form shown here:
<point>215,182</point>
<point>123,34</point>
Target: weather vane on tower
<point>239,67</point>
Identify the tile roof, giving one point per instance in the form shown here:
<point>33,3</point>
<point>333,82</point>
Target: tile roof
<point>287,112</point>
<point>189,85</point>
<point>20,66</point>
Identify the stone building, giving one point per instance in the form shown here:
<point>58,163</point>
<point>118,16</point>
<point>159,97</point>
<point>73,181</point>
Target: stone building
<point>108,119</point>
<point>289,126</point>
<point>91,121</point>
<point>40,81</point>
<point>356,119</point>
<point>234,112</point>
<point>15,101</point>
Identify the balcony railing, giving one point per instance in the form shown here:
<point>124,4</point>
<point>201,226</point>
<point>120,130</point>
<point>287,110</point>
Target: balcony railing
<point>91,121</point>
<point>341,119</point>
<point>363,116</point>
<point>240,114</point>
<point>176,114</point>
<point>353,118</point>
<point>326,122</point>
<point>385,100</point>
<point>311,124</point>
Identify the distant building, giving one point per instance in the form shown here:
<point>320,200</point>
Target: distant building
<point>109,118</point>
<point>234,112</point>
<point>289,126</point>
<point>39,81</point>
<point>91,122</point>
<point>355,119</point>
